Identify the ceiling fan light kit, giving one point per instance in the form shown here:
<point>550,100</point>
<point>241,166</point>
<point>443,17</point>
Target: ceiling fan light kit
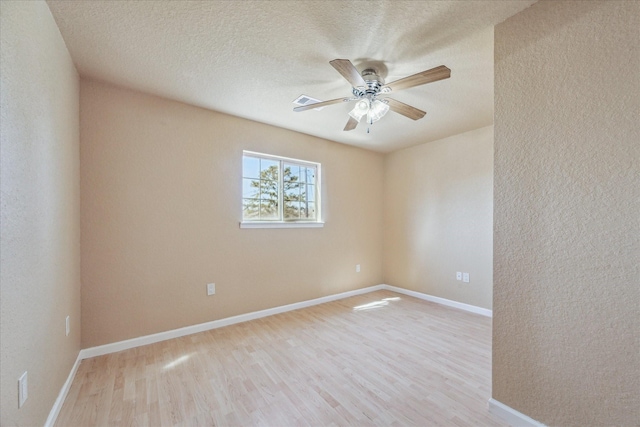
<point>370,90</point>
<point>374,110</point>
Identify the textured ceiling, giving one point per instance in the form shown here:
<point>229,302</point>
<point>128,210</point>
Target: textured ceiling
<point>253,58</point>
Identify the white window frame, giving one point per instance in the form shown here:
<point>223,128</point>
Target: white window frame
<point>281,223</point>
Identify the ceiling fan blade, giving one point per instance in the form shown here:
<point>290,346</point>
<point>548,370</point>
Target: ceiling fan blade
<point>348,71</point>
<point>404,109</point>
<point>428,76</point>
<point>322,104</point>
<point>351,124</point>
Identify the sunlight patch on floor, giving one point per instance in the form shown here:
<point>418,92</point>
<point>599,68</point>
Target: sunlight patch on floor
<point>376,304</point>
<point>176,362</point>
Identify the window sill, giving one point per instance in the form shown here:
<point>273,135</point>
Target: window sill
<point>281,224</point>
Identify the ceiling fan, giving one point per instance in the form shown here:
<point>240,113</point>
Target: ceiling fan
<point>371,92</point>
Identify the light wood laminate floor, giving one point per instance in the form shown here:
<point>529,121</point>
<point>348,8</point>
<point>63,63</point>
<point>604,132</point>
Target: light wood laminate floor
<point>376,359</point>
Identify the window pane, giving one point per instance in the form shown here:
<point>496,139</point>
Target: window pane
<point>269,190</point>
<point>311,210</point>
<point>292,210</point>
<point>303,192</point>
<point>250,188</point>
<point>291,191</point>
<point>311,175</point>
<point>303,174</point>
<point>250,167</point>
<point>291,172</point>
<point>250,209</point>
<point>269,169</point>
<point>268,210</point>
<point>311,193</point>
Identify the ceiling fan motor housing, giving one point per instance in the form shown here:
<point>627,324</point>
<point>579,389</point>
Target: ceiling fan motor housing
<point>374,84</point>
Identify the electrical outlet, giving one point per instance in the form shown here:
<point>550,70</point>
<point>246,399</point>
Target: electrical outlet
<point>66,325</point>
<point>357,268</point>
<point>465,277</point>
<point>458,275</point>
<point>211,288</point>
<point>23,391</point>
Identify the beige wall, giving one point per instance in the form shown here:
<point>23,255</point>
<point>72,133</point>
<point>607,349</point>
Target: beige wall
<point>438,217</point>
<point>40,219</point>
<point>566,243</point>
<point>160,184</point>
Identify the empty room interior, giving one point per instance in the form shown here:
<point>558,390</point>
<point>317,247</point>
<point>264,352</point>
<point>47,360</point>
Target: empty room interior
<point>450,237</point>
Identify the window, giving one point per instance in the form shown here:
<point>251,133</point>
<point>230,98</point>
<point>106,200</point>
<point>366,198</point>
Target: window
<point>279,192</point>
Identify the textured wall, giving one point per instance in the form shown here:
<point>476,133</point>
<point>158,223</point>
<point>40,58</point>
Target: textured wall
<point>160,184</point>
<point>40,219</point>
<point>566,243</point>
<point>438,217</point>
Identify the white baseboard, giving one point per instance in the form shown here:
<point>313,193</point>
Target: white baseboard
<point>188,330</point>
<point>443,301</point>
<point>510,415</point>
<point>55,410</point>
